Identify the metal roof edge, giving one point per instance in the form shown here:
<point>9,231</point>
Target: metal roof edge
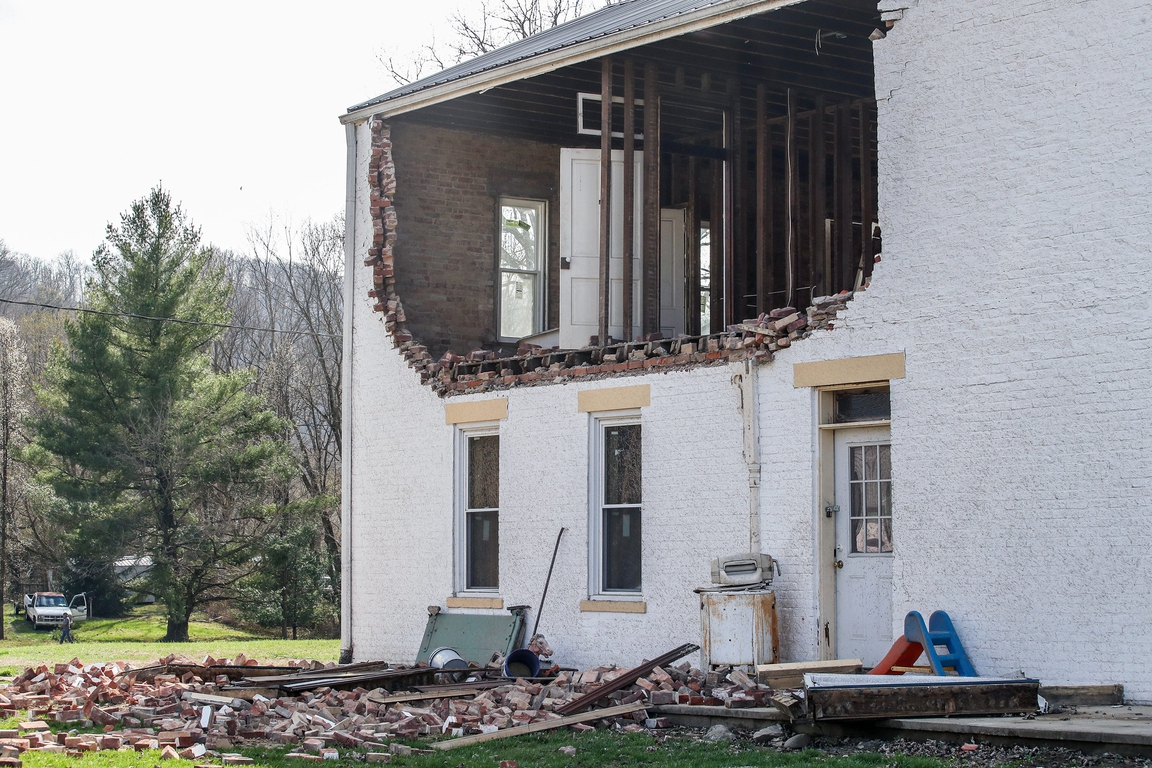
<point>549,61</point>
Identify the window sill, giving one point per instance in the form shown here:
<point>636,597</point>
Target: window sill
<point>475,602</point>
<point>613,606</point>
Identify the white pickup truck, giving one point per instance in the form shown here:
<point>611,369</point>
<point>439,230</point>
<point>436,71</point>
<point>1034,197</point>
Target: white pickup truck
<point>47,609</point>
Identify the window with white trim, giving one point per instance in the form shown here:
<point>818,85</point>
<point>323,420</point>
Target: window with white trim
<point>523,245</point>
<point>617,504</point>
<point>478,501</point>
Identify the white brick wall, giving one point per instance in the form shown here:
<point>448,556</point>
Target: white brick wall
<point>1014,178</point>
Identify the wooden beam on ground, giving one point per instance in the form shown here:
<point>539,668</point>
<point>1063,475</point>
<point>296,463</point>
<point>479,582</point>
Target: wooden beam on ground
<point>626,679</point>
<point>867,702</point>
<point>818,198</point>
<point>446,694</point>
<point>629,198</point>
<point>791,674</point>
<point>650,279</point>
<point>605,295</point>
<point>546,725</point>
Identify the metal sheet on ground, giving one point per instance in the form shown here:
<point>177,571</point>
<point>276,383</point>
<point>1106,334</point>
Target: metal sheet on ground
<point>474,636</point>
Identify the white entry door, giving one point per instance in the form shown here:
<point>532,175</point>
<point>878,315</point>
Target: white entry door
<point>863,558</point>
<point>673,252</point>
<point>580,246</point>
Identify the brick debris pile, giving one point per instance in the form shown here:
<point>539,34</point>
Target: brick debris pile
<point>756,338</point>
<point>184,709</point>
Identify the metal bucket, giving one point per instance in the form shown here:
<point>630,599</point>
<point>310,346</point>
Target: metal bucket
<point>447,658</point>
<point>522,663</point>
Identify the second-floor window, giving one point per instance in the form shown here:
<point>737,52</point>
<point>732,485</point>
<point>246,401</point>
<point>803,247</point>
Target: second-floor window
<point>523,240</point>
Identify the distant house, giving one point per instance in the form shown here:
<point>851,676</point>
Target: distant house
<point>667,327</point>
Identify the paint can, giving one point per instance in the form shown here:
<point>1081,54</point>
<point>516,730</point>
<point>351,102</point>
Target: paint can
<point>447,658</point>
<point>522,663</point>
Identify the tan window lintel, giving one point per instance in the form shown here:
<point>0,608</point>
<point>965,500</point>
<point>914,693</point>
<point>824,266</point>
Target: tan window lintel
<point>476,411</point>
<point>849,370</point>
<point>475,602</point>
<point>613,606</point>
<point>614,398</point>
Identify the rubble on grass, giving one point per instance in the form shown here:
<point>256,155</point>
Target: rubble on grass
<point>193,709</point>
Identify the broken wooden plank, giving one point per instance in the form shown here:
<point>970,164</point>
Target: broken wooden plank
<point>626,679</point>
<point>795,708</point>
<point>422,696</point>
<point>547,725</point>
<point>791,674</point>
<point>1084,695</point>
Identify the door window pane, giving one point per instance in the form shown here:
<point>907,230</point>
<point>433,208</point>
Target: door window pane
<point>622,549</point>
<point>483,550</point>
<point>870,488</point>
<point>622,464</point>
<point>862,406</point>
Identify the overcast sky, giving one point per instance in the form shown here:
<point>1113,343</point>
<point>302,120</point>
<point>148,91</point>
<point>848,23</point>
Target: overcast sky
<point>232,105</point>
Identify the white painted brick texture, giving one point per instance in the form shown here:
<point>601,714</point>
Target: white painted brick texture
<point>1014,189</point>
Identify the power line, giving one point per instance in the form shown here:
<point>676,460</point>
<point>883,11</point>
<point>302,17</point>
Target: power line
<point>134,316</point>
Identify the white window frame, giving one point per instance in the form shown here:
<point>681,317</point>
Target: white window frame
<point>460,480</point>
<point>580,127</point>
<point>541,273</point>
<point>598,423</point>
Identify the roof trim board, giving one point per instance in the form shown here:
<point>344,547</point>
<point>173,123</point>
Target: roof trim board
<point>532,64</point>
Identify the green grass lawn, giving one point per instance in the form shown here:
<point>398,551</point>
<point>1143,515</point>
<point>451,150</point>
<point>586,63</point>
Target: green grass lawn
<point>138,638</point>
<point>598,749</point>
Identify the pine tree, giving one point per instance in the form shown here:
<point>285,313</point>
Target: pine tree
<point>168,458</point>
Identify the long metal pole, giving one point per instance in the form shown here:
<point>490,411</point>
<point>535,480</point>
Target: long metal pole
<point>547,581</point>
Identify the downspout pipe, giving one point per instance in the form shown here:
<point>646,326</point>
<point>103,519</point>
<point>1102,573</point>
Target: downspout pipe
<point>744,378</point>
<point>346,428</point>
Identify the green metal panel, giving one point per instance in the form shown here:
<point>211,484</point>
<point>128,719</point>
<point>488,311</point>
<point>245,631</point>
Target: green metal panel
<point>475,637</point>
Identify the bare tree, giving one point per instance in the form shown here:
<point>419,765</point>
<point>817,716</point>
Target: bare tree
<point>292,283</point>
<point>14,398</point>
<point>477,31</point>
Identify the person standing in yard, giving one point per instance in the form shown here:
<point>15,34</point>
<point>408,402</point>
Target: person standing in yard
<point>66,629</point>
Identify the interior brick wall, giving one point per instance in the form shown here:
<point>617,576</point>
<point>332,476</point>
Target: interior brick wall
<point>448,185</point>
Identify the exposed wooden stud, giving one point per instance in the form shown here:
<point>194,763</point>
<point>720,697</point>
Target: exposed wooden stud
<point>818,199</point>
<point>763,211</point>
<point>793,193</point>
<point>629,199</point>
<point>650,279</point>
<point>692,325</point>
<point>867,193</point>
<point>716,251</point>
<point>845,258</point>
<point>605,196</point>
<point>733,285</point>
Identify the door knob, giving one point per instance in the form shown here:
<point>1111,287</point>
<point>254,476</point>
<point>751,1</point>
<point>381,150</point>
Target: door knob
<point>838,564</point>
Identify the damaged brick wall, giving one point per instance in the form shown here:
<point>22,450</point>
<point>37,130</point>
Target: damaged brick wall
<point>450,184</point>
